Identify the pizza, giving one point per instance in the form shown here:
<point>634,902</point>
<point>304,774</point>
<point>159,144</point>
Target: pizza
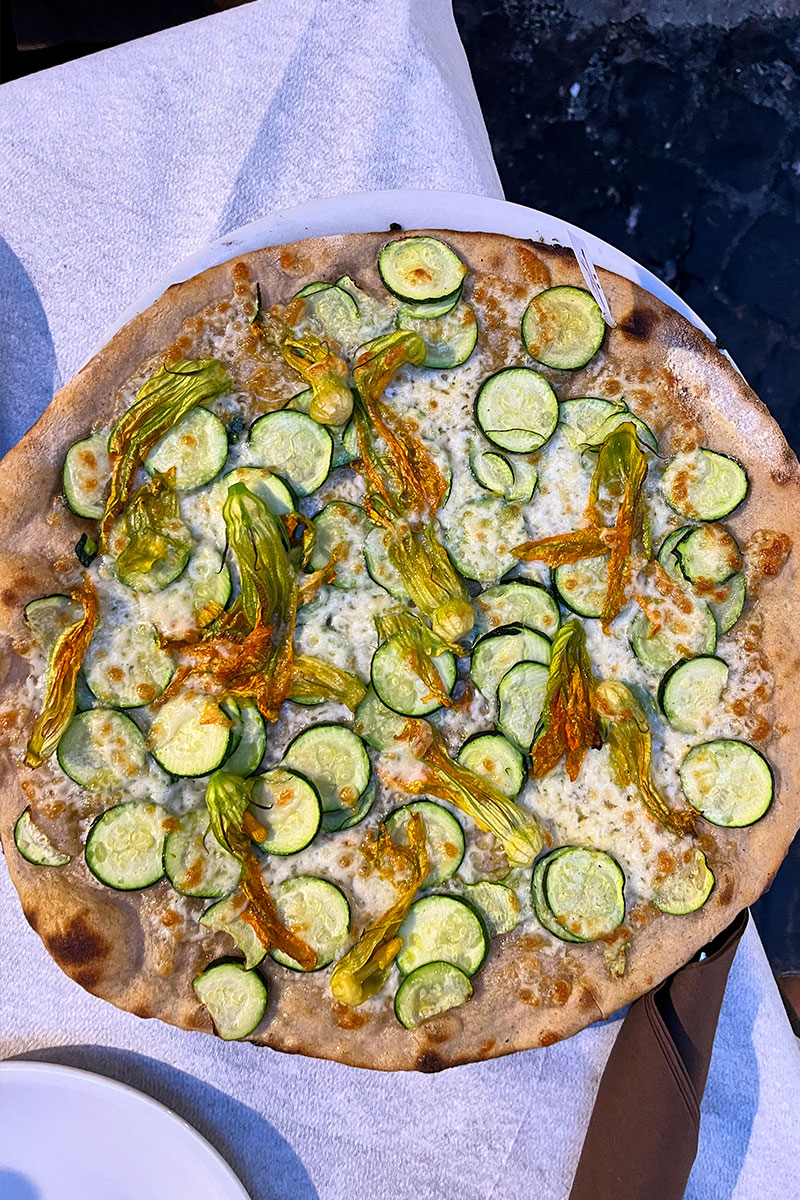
<point>398,659</point>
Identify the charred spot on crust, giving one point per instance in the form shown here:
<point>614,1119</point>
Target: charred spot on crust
<point>638,325</point>
<point>548,1039</point>
<point>726,893</point>
<point>32,919</point>
<point>142,1010</point>
<point>80,947</point>
<point>429,1062</point>
<point>558,251</point>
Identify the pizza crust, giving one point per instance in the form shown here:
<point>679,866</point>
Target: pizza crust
<point>108,942</point>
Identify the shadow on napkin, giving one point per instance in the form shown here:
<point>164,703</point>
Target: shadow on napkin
<point>264,1161</point>
<point>26,348</point>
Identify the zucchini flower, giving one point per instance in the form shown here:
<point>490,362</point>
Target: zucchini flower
<point>569,725</point>
<point>326,375</point>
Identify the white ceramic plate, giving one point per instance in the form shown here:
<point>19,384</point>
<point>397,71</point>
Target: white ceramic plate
<point>364,212</point>
<point>71,1135</point>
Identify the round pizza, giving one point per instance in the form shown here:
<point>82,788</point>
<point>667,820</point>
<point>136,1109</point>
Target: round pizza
<point>397,652</point>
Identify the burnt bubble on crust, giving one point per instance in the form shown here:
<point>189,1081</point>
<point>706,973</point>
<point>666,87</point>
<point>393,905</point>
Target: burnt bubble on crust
<point>429,1063</point>
<point>80,950</point>
<point>638,325</point>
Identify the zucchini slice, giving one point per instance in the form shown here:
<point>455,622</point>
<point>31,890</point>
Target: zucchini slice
<point>687,888</point>
<point>727,782</point>
<point>517,603</point>
<point>420,269</point>
<point>727,602</point>
<point>164,570</point>
<point>643,431</point>
<point>544,915</point>
<point>691,691</point>
<point>335,760</point>
<point>86,476</point>
<point>517,409</point>
<point>449,340</point>
<point>203,588</point>
<point>190,735</point>
<point>582,418</point>
<point>520,697</point>
<point>444,838</point>
<point>125,846</point>
<point>49,616</point>
<point>293,446</point>
<point>660,651</point>
<point>236,999</point>
<point>708,554</point>
<point>125,666</point>
<point>428,310</point>
<point>584,892</point>
<point>494,758</point>
<point>196,447</point>
<point>704,485</point>
<point>268,487</point>
<point>432,989</point>
<point>342,528</point>
<point>318,912</point>
<point>481,535</point>
<point>102,749</point>
<point>380,567</point>
<point>514,480</point>
<point>497,904</point>
<point>582,586</point>
<point>345,818</point>
<point>224,916</point>
<point>251,742</point>
<point>495,653</point>
<point>380,726</point>
<point>563,327</point>
<point>442,929</point>
<point>34,845</point>
<point>289,809</point>
<point>397,684</point>
<point>195,863</point>
<point>666,555</point>
<point>332,307</point>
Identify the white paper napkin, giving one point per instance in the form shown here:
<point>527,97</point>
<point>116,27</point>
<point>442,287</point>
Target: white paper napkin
<point>111,169</point>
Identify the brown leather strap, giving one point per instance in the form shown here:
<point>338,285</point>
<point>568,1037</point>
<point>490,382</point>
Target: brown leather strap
<point>642,1135</point>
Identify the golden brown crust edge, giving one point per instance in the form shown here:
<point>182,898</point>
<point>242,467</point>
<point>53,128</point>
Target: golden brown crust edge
<point>96,937</point>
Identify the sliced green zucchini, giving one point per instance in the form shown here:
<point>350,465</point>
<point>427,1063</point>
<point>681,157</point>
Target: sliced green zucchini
<point>201,592</point>
<point>582,418</point>
<point>380,567</point>
<point>350,446</point>
<point>194,861</point>
<point>582,586</point>
<point>339,819</point>
<point>517,603</point>
<point>666,555</point>
<point>420,269</point>
<point>514,480</point>
<point>225,917</point>
<point>318,912</point>
<point>332,307</point>
<point>288,807</point>
<point>235,999</point>
<point>481,535</point>
<point>708,554</point>
<point>341,529</point>
<point>687,888</point>
<point>380,726</point>
<point>584,891</point>
<point>517,409</point>
<point>397,684</point>
<point>495,653</point>
<point>643,431</point>
<point>493,757</point>
<point>268,487</point>
<point>34,845</point>
<point>444,838</point>
<point>102,749</point>
<point>125,846</point>
<point>496,903</point>
<point>48,617</point>
<point>196,448</point>
<point>86,476</point>
<point>660,651</point>
<point>125,665</point>
<point>563,327</point>
<point>442,929</point>
<point>520,698</point>
<point>544,915</point>
<point>293,446</point>
<point>251,743</point>
<point>691,691</point>
<point>190,735</point>
<point>428,310</point>
<point>449,340</point>
<point>335,760</point>
<point>727,602</point>
<point>431,989</point>
<point>704,485</point>
<point>727,782</point>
